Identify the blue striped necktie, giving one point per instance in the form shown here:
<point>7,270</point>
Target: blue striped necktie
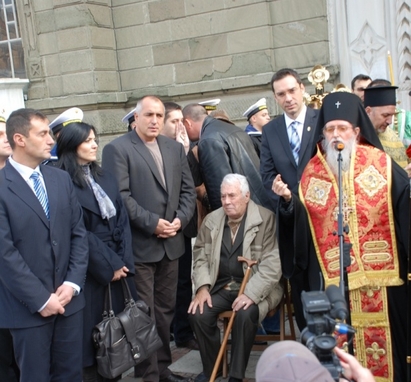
<point>295,143</point>
<point>40,192</point>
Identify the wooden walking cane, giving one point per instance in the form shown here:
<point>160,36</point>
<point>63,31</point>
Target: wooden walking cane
<point>250,263</point>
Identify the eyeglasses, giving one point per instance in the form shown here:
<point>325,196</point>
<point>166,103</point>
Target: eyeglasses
<point>340,128</point>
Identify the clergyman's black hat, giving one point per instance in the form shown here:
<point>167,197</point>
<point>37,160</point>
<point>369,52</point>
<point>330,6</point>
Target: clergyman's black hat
<point>347,107</point>
<point>380,96</point>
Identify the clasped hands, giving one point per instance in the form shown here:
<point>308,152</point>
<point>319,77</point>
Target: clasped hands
<point>166,229</point>
<point>58,301</point>
<point>64,294</point>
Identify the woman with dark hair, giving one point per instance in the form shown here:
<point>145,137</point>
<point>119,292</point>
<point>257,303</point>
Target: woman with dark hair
<point>106,220</point>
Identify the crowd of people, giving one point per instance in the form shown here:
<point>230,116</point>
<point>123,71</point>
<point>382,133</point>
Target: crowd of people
<point>72,227</point>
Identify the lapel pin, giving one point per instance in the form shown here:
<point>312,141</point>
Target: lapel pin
<point>309,128</point>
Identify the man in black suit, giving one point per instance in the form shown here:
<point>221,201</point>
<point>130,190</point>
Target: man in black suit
<point>287,144</point>
<point>223,148</point>
<point>43,256</point>
<point>158,191</point>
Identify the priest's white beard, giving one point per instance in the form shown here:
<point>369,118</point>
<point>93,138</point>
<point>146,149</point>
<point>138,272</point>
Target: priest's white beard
<point>331,154</point>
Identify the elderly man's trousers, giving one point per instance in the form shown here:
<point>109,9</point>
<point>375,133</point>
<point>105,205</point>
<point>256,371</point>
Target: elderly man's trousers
<point>208,333</point>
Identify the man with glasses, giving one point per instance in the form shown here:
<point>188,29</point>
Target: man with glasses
<point>375,201</point>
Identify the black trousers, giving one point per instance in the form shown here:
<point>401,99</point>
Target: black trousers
<point>90,374</point>
<point>156,285</point>
<point>181,326</point>
<point>242,335</point>
<point>9,371</point>
<point>53,352</point>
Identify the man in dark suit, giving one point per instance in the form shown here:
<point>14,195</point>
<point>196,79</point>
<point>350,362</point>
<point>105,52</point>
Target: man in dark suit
<point>158,192</point>
<point>43,256</point>
<point>276,153</point>
<point>287,145</point>
<point>8,368</point>
<point>223,148</point>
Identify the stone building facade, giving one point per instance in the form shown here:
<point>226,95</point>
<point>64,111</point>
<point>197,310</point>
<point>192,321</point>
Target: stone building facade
<point>103,55</point>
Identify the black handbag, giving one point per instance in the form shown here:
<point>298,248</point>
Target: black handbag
<point>125,340</point>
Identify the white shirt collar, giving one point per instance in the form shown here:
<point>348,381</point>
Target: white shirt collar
<point>23,170</point>
<point>300,118</point>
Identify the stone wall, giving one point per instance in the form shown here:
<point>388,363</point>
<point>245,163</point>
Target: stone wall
<point>103,55</point>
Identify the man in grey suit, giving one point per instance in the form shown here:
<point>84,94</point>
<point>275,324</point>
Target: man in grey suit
<point>158,191</point>
<point>287,144</point>
<point>43,256</point>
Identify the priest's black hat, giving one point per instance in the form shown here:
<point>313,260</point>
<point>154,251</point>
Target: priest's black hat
<point>347,107</point>
<point>380,96</point>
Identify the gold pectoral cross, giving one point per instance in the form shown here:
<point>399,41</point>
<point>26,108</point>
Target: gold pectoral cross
<point>346,210</point>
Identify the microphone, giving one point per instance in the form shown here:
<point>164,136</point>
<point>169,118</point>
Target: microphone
<point>338,305</point>
<point>338,145</point>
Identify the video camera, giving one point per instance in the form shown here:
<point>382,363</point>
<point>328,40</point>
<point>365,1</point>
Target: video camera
<point>321,309</point>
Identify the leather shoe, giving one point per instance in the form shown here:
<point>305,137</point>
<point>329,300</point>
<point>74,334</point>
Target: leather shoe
<point>202,377</point>
<point>260,343</point>
<point>175,378</point>
<point>190,344</point>
<point>271,333</point>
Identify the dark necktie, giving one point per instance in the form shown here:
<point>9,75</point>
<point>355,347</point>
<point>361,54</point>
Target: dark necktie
<point>40,192</point>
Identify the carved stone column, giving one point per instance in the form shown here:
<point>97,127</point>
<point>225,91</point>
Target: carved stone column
<point>361,34</point>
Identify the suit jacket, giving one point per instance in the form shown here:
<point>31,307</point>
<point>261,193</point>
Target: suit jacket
<point>145,197</point>
<point>276,155</point>
<point>259,243</point>
<point>38,255</point>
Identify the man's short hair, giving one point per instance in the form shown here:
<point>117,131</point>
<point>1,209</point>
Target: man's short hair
<point>233,179</point>
<point>169,107</point>
<point>359,77</point>
<point>379,82</point>
<point>195,112</point>
<point>19,122</point>
<point>222,115</point>
<point>140,102</point>
<point>282,73</point>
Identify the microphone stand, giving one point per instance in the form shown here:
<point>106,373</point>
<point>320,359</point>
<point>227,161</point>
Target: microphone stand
<point>345,248</point>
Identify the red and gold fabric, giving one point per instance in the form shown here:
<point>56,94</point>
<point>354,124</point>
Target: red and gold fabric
<point>367,209</point>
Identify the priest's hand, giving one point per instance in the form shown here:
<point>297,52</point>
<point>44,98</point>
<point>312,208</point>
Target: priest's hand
<point>202,296</point>
<point>281,189</point>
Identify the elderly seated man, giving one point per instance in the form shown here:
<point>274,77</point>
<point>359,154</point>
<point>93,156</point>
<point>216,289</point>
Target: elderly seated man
<point>239,228</point>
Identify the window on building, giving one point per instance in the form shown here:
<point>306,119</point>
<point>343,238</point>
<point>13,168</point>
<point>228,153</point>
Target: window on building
<point>11,49</point>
